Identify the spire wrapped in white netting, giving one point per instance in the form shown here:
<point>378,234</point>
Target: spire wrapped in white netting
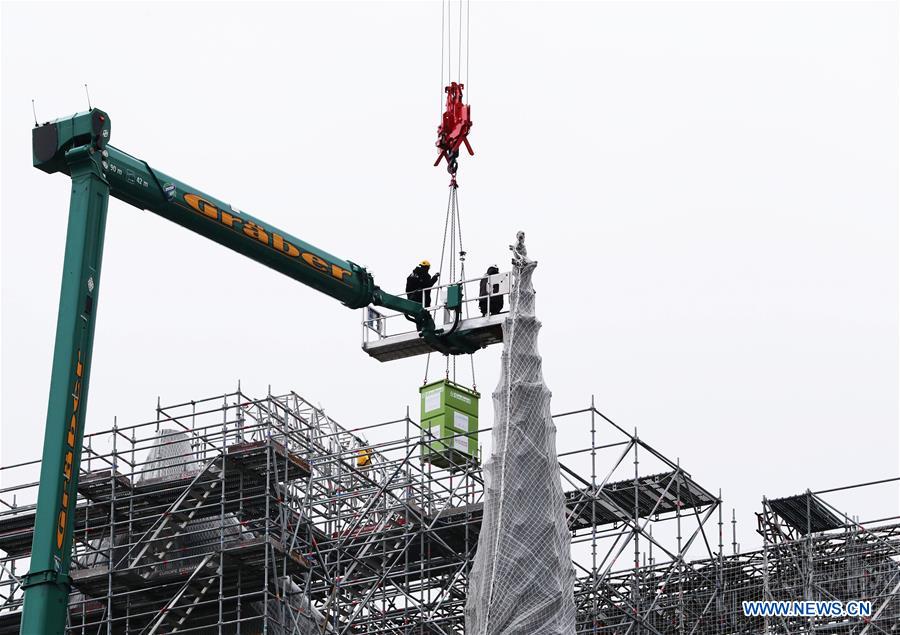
<point>522,579</point>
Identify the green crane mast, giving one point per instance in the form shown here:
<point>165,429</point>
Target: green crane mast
<point>78,146</point>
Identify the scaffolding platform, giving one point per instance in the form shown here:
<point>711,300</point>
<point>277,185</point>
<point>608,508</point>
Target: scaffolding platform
<point>654,495</point>
<point>245,469</point>
<point>246,553</point>
<point>260,519</point>
<point>805,513</point>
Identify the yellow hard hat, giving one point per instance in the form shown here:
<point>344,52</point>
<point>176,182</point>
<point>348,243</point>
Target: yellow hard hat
<point>425,263</point>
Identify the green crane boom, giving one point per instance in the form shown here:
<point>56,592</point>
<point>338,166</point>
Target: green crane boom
<point>78,146</point>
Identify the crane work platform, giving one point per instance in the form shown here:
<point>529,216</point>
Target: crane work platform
<point>390,336</point>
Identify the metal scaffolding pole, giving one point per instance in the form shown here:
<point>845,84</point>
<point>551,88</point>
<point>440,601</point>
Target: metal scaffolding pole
<point>232,514</point>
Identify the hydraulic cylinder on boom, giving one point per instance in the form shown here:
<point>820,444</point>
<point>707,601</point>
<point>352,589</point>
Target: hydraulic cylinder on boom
<point>79,147</point>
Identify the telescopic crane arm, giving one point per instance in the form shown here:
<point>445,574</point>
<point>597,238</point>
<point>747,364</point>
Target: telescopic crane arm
<point>135,182</point>
<point>78,146</point>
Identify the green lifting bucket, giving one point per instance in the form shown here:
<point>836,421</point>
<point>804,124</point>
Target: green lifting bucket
<point>449,416</point>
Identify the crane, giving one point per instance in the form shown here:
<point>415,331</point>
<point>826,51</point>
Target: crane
<point>78,146</point>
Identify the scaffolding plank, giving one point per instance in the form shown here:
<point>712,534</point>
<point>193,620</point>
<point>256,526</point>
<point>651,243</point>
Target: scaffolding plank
<point>805,513</point>
<point>253,458</point>
<point>97,486</point>
<point>658,494</point>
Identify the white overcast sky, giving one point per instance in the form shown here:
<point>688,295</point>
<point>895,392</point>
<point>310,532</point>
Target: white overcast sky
<point>710,189</point>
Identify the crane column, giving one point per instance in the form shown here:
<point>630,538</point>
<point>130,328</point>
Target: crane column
<point>47,583</point>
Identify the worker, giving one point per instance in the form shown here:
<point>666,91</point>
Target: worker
<point>494,302</point>
<point>419,283</point>
<point>364,458</point>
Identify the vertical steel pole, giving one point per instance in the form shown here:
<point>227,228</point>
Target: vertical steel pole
<point>47,583</point>
<point>593,578</point>
<point>111,552</point>
<point>636,590</point>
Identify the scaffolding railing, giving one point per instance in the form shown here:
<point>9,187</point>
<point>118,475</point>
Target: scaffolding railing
<point>235,514</point>
<point>378,325</point>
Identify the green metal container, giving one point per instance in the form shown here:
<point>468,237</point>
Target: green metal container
<point>449,412</point>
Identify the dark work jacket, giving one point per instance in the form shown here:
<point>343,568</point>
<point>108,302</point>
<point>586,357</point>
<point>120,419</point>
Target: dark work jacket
<point>418,285</point>
<point>496,301</point>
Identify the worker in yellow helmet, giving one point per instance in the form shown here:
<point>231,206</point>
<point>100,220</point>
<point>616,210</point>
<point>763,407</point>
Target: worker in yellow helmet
<point>419,283</point>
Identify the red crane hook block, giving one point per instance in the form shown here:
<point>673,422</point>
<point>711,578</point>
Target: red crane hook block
<point>454,129</point>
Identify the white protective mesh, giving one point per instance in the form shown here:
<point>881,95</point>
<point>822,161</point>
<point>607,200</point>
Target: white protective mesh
<point>522,579</point>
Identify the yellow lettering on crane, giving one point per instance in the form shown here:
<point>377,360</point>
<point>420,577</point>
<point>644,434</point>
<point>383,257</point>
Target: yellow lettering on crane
<point>68,469</point>
<point>271,239</point>
<point>283,246</point>
<point>201,205</point>
<point>315,262</point>
<point>228,219</point>
<point>339,273</point>
<point>255,231</point>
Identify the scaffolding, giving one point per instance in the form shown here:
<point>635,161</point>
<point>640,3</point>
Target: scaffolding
<point>239,515</point>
